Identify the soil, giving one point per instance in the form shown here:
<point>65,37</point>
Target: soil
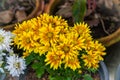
<point>31,75</point>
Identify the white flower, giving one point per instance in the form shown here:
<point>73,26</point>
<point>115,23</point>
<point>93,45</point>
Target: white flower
<point>5,39</point>
<point>1,69</point>
<point>1,55</point>
<point>1,61</point>
<point>15,65</point>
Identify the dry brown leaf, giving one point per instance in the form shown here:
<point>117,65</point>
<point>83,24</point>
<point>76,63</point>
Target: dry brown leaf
<point>10,1</point>
<point>6,16</point>
<point>20,15</point>
<point>109,4</point>
<point>65,12</point>
<point>93,22</point>
<point>117,2</point>
<point>99,2</point>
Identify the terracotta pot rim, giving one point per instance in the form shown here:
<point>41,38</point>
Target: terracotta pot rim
<point>110,39</point>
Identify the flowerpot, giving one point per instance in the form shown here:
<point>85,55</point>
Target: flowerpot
<point>39,7</point>
<point>2,76</point>
<point>63,9</point>
<point>103,71</point>
<point>117,73</point>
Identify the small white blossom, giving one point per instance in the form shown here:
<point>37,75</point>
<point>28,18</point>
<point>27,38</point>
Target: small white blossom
<point>1,55</point>
<point>5,39</point>
<point>15,65</point>
<point>1,69</point>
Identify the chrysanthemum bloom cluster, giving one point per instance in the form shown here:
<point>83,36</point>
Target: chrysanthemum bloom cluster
<point>9,62</point>
<point>5,41</point>
<point>63,46</point>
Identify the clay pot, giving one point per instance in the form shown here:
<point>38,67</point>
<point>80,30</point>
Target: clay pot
<point>103,71</point>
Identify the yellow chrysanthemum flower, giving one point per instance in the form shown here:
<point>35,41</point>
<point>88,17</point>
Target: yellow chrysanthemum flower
<point>68,47</point>
<point>82,28</point>
<point>98,49</point>
<point>90,59</point>
<point>54,58</point>
<point>42,48</point>
<point>26,42</point>
<point>95,53</point>
<point>72,63</point>
<point>55,21</point>
<point>77,40</point>
<point>24,35</point>
<point>48,34</point>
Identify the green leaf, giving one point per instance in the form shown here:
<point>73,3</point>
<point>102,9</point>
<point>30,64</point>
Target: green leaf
<point>55,78</point>
<point>68,78</point>
<point>78,10</point>
<point>40,71</point>
<point>87,77</point>
<point>51,78</point>
<point>92,70</point>
<point>35,65</point>
<point>29,59</point>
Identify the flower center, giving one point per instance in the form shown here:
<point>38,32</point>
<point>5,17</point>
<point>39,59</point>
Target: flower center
<point>1,39</point>
<point>17,65</point>
<point>28,40</point>
<point>66,49</point>
<point>50,34</point>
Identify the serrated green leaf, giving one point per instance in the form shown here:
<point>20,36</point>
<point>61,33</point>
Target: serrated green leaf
<point>87,77</point>
<point>78,10</point>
